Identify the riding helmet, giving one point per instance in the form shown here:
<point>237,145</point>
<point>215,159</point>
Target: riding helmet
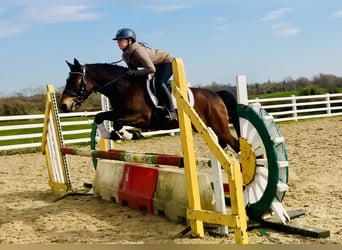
<point>125,33</point>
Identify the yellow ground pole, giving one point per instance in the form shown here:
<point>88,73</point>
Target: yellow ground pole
<point>196,216</point>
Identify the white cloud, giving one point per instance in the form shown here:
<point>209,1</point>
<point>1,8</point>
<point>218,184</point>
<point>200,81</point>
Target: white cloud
<point>59,14</point>
<point>158,34</point>
<point>221,27</point>
<point>273,15</point>
<point>163,9</point>
<point>285,29</point>
<point>9,29</point>
<point>29,18</point>
<point>219,19</point>
<point>337,14</point>
<point>220,22</point>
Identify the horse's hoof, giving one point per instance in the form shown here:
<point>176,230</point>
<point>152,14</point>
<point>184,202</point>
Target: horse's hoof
<point>114,136</point>
<point>137,135</point>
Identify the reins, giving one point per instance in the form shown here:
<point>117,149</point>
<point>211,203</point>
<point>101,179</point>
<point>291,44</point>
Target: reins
<point>84,90</point>
<point>116,62</point>
<point>83,93</point>
<point>110,82</point>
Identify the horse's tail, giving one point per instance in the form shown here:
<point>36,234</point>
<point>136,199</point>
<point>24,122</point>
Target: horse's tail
<point>230,101</point>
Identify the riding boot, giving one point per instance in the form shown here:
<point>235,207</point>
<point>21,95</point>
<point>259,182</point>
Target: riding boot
<point>167,99</point>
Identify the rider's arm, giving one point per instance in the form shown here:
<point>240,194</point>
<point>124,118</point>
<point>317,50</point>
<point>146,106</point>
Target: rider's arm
<point>147,67</point>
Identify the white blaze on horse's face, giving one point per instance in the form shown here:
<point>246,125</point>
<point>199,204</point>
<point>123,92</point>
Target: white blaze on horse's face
<point>68,103</point>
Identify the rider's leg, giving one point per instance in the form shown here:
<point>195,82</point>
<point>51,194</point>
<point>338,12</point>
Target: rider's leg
<point>163,74</point>
<point>167,98</point>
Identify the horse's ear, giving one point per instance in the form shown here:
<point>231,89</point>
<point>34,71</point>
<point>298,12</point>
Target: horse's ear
<point>71,66</point>
<point>77,63</point>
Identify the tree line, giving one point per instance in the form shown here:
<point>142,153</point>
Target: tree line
<point>35,103</point>
<point>320,84</point>
<point>32,100</point>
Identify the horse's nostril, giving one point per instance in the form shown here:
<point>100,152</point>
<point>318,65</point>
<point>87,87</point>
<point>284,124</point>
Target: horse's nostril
<point>64,107</point>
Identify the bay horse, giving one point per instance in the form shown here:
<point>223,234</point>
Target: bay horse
<point>131,105</point>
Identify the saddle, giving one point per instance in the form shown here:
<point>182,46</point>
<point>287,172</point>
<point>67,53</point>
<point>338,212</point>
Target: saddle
<point>152,93</point>
<point>159,110</point>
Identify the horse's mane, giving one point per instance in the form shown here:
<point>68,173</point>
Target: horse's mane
<point>107,66</point>
<point>110,69</point>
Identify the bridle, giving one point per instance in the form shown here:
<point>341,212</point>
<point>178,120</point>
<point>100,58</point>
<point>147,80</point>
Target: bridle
<point>83,93</point>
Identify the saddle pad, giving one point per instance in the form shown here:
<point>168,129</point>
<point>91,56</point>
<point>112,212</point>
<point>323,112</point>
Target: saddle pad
<point>154,98</point>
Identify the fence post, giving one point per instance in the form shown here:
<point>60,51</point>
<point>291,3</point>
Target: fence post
<point>241,89</point>
<point>294,107</point>
<point>327,99</point>
<point>105,144</point>
<point>218,186</point>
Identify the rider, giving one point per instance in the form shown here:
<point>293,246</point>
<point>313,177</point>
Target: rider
<point>150,61</point>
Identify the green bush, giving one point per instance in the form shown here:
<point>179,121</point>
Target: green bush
<point>310,90</point>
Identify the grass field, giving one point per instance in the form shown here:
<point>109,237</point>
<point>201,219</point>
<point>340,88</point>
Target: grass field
<point>278,94</point>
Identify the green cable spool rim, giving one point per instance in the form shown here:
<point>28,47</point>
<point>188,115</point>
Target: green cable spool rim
<point>256,210</point>
<point>282,156</point>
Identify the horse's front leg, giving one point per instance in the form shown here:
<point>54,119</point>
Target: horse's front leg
<point>119,131</point>
<point>100,118</point>
<point>136,120</point>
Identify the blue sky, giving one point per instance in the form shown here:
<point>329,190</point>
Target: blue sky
<point>217,40</point>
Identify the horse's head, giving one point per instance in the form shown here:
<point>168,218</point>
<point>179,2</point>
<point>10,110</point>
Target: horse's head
<point>77,89</point>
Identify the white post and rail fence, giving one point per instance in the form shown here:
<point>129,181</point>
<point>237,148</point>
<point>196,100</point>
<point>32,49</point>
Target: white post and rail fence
<point>25,131</point>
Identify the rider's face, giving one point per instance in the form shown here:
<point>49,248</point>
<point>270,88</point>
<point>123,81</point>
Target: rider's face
<point>123,43</point>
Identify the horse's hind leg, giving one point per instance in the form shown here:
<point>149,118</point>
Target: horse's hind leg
<point>214,113</point>
<point>225,137</point>
<point>219,122</point>
<point>233,142</point>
